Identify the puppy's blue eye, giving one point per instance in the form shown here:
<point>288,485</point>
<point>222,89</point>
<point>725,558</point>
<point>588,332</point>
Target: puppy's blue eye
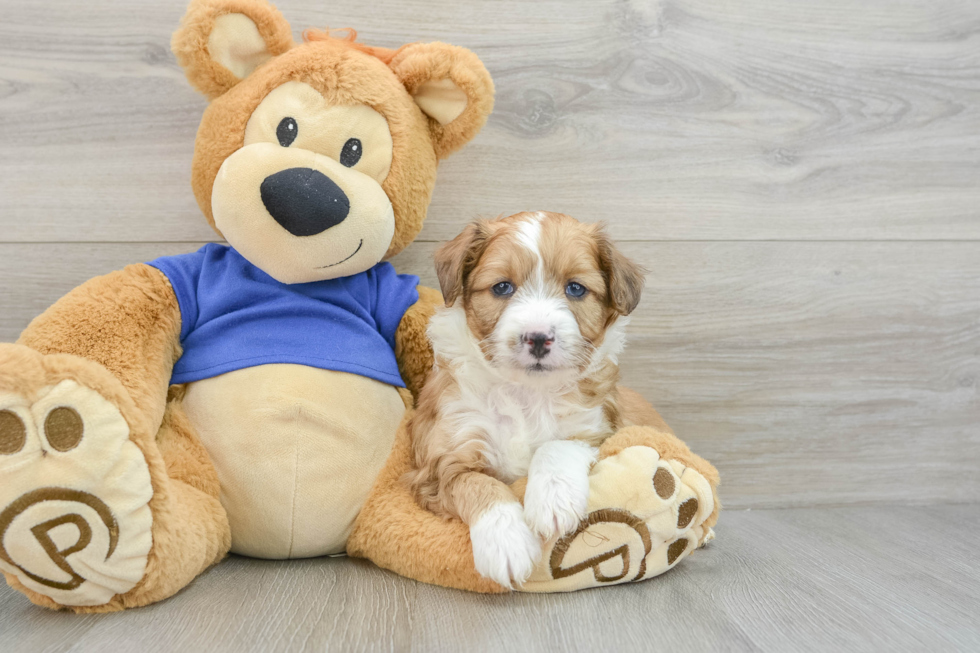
<point>503,289</point>
<point>286,131</point>
<point>575,290</point>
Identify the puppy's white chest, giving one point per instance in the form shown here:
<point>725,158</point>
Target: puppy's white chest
<point>518,420</point>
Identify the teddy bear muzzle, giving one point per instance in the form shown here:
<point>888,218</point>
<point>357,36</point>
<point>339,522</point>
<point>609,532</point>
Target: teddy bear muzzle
<point>301,216</point>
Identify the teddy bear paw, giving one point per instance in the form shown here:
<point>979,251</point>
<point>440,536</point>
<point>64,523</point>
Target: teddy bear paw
<point>645,514</point>
<point>75,524</point>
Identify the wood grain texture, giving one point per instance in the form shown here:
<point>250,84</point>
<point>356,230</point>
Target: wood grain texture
<point>864,579</point>
<point>693,120</point>
<point>809,373</point>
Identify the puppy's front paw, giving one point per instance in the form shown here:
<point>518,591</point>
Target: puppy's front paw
<point>504,549</point>
<point>555,504</point>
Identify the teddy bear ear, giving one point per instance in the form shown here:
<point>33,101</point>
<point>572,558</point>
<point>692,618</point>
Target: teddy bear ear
<point>451,86</point>
<point>220,42</point>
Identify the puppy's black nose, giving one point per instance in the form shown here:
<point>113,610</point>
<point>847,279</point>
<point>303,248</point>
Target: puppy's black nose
<point>540,344</point>
<point>304,201</point>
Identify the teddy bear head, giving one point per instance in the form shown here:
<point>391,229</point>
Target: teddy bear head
<point>316,160</point>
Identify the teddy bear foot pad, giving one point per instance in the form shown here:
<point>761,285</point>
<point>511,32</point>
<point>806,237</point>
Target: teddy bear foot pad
<point>75,521</point>
<point>645,515</point>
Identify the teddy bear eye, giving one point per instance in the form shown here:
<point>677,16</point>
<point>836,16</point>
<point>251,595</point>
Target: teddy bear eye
<point>287,131</point>
<point>351,153</point>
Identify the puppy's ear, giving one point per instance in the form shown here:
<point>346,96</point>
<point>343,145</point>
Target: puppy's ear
<point>451,86</point>
<point>220,42</point>
<point>624,277</point>
<point>457,258</point>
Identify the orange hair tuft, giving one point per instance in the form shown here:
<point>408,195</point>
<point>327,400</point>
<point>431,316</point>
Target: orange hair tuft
<point>311,35</point>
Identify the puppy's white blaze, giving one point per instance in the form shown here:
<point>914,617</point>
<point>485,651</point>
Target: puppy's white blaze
<point>557,495</point>
<point>529,235</point>
<point>504,549</point>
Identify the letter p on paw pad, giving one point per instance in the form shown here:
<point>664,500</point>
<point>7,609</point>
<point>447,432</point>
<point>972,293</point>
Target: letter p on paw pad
<point>75,521</point>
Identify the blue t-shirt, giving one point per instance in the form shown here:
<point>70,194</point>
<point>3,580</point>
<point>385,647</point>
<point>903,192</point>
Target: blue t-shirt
<point>234,315</point>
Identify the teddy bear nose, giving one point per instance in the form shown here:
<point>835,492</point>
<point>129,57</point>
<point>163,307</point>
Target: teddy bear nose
<point>304,201</point>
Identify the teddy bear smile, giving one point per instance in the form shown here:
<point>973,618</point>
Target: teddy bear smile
<point>359,244</point>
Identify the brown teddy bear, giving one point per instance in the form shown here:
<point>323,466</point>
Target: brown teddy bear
<point>252,397</point>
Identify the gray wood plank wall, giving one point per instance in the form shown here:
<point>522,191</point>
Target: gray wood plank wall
<point>801,179</point>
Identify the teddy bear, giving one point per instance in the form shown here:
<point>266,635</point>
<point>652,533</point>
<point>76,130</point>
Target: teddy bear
<point>253,397</point>
<point>242,397</point>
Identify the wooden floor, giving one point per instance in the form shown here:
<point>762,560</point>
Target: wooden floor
<point>871,579</point>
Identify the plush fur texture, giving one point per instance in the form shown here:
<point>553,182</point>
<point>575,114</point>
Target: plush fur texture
<point>190,532</point>
<point>128,322</point>
<point>132,369</point>
<point>296,449</point>
<point>557,493</point>
<point>190,527</point>
<point>118,335</point>
<point>190,42</point>
<point>346,73</point>
<point>416,64</point>
<point>412,347</point>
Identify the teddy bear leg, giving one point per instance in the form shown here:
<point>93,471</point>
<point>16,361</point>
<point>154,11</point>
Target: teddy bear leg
<point>649,507</point>
<point>637,411</point>
<point>689,468</point>
<point>651,503</point>
<point>89,515</point>
<point>190,528</point>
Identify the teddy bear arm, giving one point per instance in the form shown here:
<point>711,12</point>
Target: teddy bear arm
<point>128,321</point>
<point>412,347</point>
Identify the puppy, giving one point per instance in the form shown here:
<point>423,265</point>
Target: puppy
<point>524,381</point>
